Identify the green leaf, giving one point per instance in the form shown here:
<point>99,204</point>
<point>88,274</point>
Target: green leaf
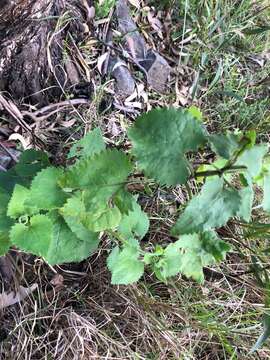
<point>199,250</point>
<point>211,208</point>
<point>105,171</point>
<point>123,200</point>
<point>34,237</point>
<point>253,159</point>
<point>169,263</point>
<point>125,266</point>
<point>93,214</point>
<point>224,145</point>
<point>266,192</point>
<point>135,224</point>
<point>5,223</point>
<point>17,206</point>
<point>195,112</point>
<point>247,197</point>
<point>103,8</point>
<point>91,144</point>
<point>216,165</point>
<point>108,219</point>
<point>160,140</point>
<point>30,163</point>
<point>66,246</point>
<point>45,193</point>
<point>51,238</point>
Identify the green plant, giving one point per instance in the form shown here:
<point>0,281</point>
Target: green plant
<point>103,7</point>
<point>60,214</point>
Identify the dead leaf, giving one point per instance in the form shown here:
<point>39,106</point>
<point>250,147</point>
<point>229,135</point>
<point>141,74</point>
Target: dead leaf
<point>25,142</point>
<point>16,297</point>
<point>155,23</point>
<point>135,3</point>
<point>101,62</point>
<point>57,280</point>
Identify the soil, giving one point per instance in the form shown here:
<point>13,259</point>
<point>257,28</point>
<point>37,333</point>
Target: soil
<point>34,64</point>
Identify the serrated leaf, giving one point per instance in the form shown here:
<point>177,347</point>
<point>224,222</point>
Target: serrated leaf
<point>160,140</point>
<point>105,171</point>
<point>34,237</point>
<point>66,246</point>
<point>52,239</point>
<point>211,208</point>
<point>30,163</point>
<point>252,158</point>
<point>45,193</point>
<point>135,224</point>
<point>17,204</point>
<point>199,250</point>
<point>91,144</point>
<point>224,145</point>
<point>125,266</point>
<point>94,215</point>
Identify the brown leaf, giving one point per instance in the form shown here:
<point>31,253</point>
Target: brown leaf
<point>16,297</point>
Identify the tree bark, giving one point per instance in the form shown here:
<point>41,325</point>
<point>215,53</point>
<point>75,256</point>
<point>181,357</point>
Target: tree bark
<point>36,40</point>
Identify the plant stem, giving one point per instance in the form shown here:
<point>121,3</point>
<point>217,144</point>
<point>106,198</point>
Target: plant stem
<point>218,172</point>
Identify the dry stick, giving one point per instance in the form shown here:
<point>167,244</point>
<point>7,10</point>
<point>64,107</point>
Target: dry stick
<point>62,105</point>
<point>13,157</point>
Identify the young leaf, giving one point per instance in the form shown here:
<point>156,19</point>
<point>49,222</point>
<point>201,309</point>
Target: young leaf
<point>105,172</point>
<point>125,266</point>
<point>253,159</point>
<point>17,206</point>
<point>160,140</point>
<point>211,208</point>
<point>91,144</point>
<point>107,219</point>
<point>199,250</point>
<point>45,193</point>
<point>169,264</point>
<point>92,214</point>
<point>135,224</point>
